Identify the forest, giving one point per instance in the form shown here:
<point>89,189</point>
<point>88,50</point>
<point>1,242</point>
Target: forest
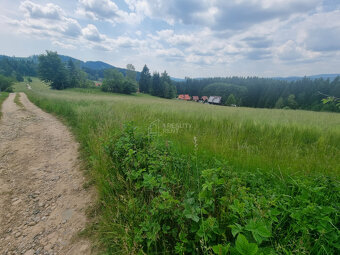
<point>306,94</point>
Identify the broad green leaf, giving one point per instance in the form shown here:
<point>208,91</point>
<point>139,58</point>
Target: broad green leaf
<point>258,229</point>
<point>221,249</point>
<point>235,229</point>
<point>244,247</point>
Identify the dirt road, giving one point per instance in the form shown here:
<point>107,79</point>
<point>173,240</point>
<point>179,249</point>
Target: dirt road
<point>42,199</point>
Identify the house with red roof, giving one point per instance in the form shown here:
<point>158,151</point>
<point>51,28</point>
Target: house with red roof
<point>204,99</point>
<point>195,98</point>
<point>184,97</point>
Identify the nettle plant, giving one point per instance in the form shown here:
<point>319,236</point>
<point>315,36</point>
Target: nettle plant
<point>174,203</point>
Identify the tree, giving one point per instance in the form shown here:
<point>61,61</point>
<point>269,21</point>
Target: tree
<point>156,85</point>
<point>74,74</point>
<point>115,82</point>
<point>145,80</point>
<point>332,100</point>
<point>130,72</point>
<point>231,100</point>
<point>5,83</point>
<point>279,103</point>
<point>52,70</point>
<point>291,102</point>
<point>129,86</point>
<point>168,90</point>
<point>19,77</point>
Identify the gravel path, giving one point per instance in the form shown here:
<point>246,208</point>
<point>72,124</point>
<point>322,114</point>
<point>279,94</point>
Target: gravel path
<point>42,200</point>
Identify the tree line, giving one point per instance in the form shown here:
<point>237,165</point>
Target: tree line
<point>60,75</point>
<point>242,91</point>
<point>116,82</point>
<point>17,68</point>
<point>159,85</point>
<point>257,92</point>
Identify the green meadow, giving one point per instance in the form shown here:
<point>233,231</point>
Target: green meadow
<point>190,178</point>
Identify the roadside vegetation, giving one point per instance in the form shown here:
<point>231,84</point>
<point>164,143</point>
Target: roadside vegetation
<point>6,83</point>
<point>187,178</point>
<point>17,101</point>
<point>3,96</point>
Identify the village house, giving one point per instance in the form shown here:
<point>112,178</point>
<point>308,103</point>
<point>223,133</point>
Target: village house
<point>215,100</point>
<point>195,98</point>
<point>204,99</point>
<point>184,97</point>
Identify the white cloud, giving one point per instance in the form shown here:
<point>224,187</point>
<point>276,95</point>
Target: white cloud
<point>186,34</point>
<point>91,33</point>
<point>46,21</point>
<point>106,10</point>
<point>51,22</point>
<point>221,14</point>
<point>36,11</point>
<point>99,9</point>
<point>64,45</point>
<point>291,51</point>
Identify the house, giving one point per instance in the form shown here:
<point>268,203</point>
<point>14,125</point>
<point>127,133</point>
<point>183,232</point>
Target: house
<point>214,100</point>
<point>204,99</point>
<point>195,98</point>
<point>187,97</point>
<point>184,97</point>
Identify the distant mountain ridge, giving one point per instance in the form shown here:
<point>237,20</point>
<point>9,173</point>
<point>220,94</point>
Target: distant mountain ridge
<point>312,77</point>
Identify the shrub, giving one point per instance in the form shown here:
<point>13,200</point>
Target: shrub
<point>164,202</point>
<point>5,83</point>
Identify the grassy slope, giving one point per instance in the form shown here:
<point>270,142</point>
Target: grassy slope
<point>3,96</point>
<point>281,142</point>
<point>292,141</point>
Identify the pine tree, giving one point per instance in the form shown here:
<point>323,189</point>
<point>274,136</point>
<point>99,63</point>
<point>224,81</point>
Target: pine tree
<point>168,90</point>
<point>145,80</point>
<point>156,85</point>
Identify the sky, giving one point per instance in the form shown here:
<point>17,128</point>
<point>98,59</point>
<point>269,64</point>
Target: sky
<point>187,38</point>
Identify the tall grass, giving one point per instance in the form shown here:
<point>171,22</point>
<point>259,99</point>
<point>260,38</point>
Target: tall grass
<point>275,160</point>
<point>295,142</point>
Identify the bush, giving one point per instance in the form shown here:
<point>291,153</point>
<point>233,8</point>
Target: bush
<point>115,82</point>
<point>5,83</point>
<point>166,202</point>
<point>9,90</point>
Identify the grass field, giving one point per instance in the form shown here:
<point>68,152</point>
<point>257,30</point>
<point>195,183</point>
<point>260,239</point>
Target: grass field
<point>211,179</point>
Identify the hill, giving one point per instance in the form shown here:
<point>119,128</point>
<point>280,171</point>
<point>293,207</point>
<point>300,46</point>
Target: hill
<point>312,77</point>
<point>95,69</point>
